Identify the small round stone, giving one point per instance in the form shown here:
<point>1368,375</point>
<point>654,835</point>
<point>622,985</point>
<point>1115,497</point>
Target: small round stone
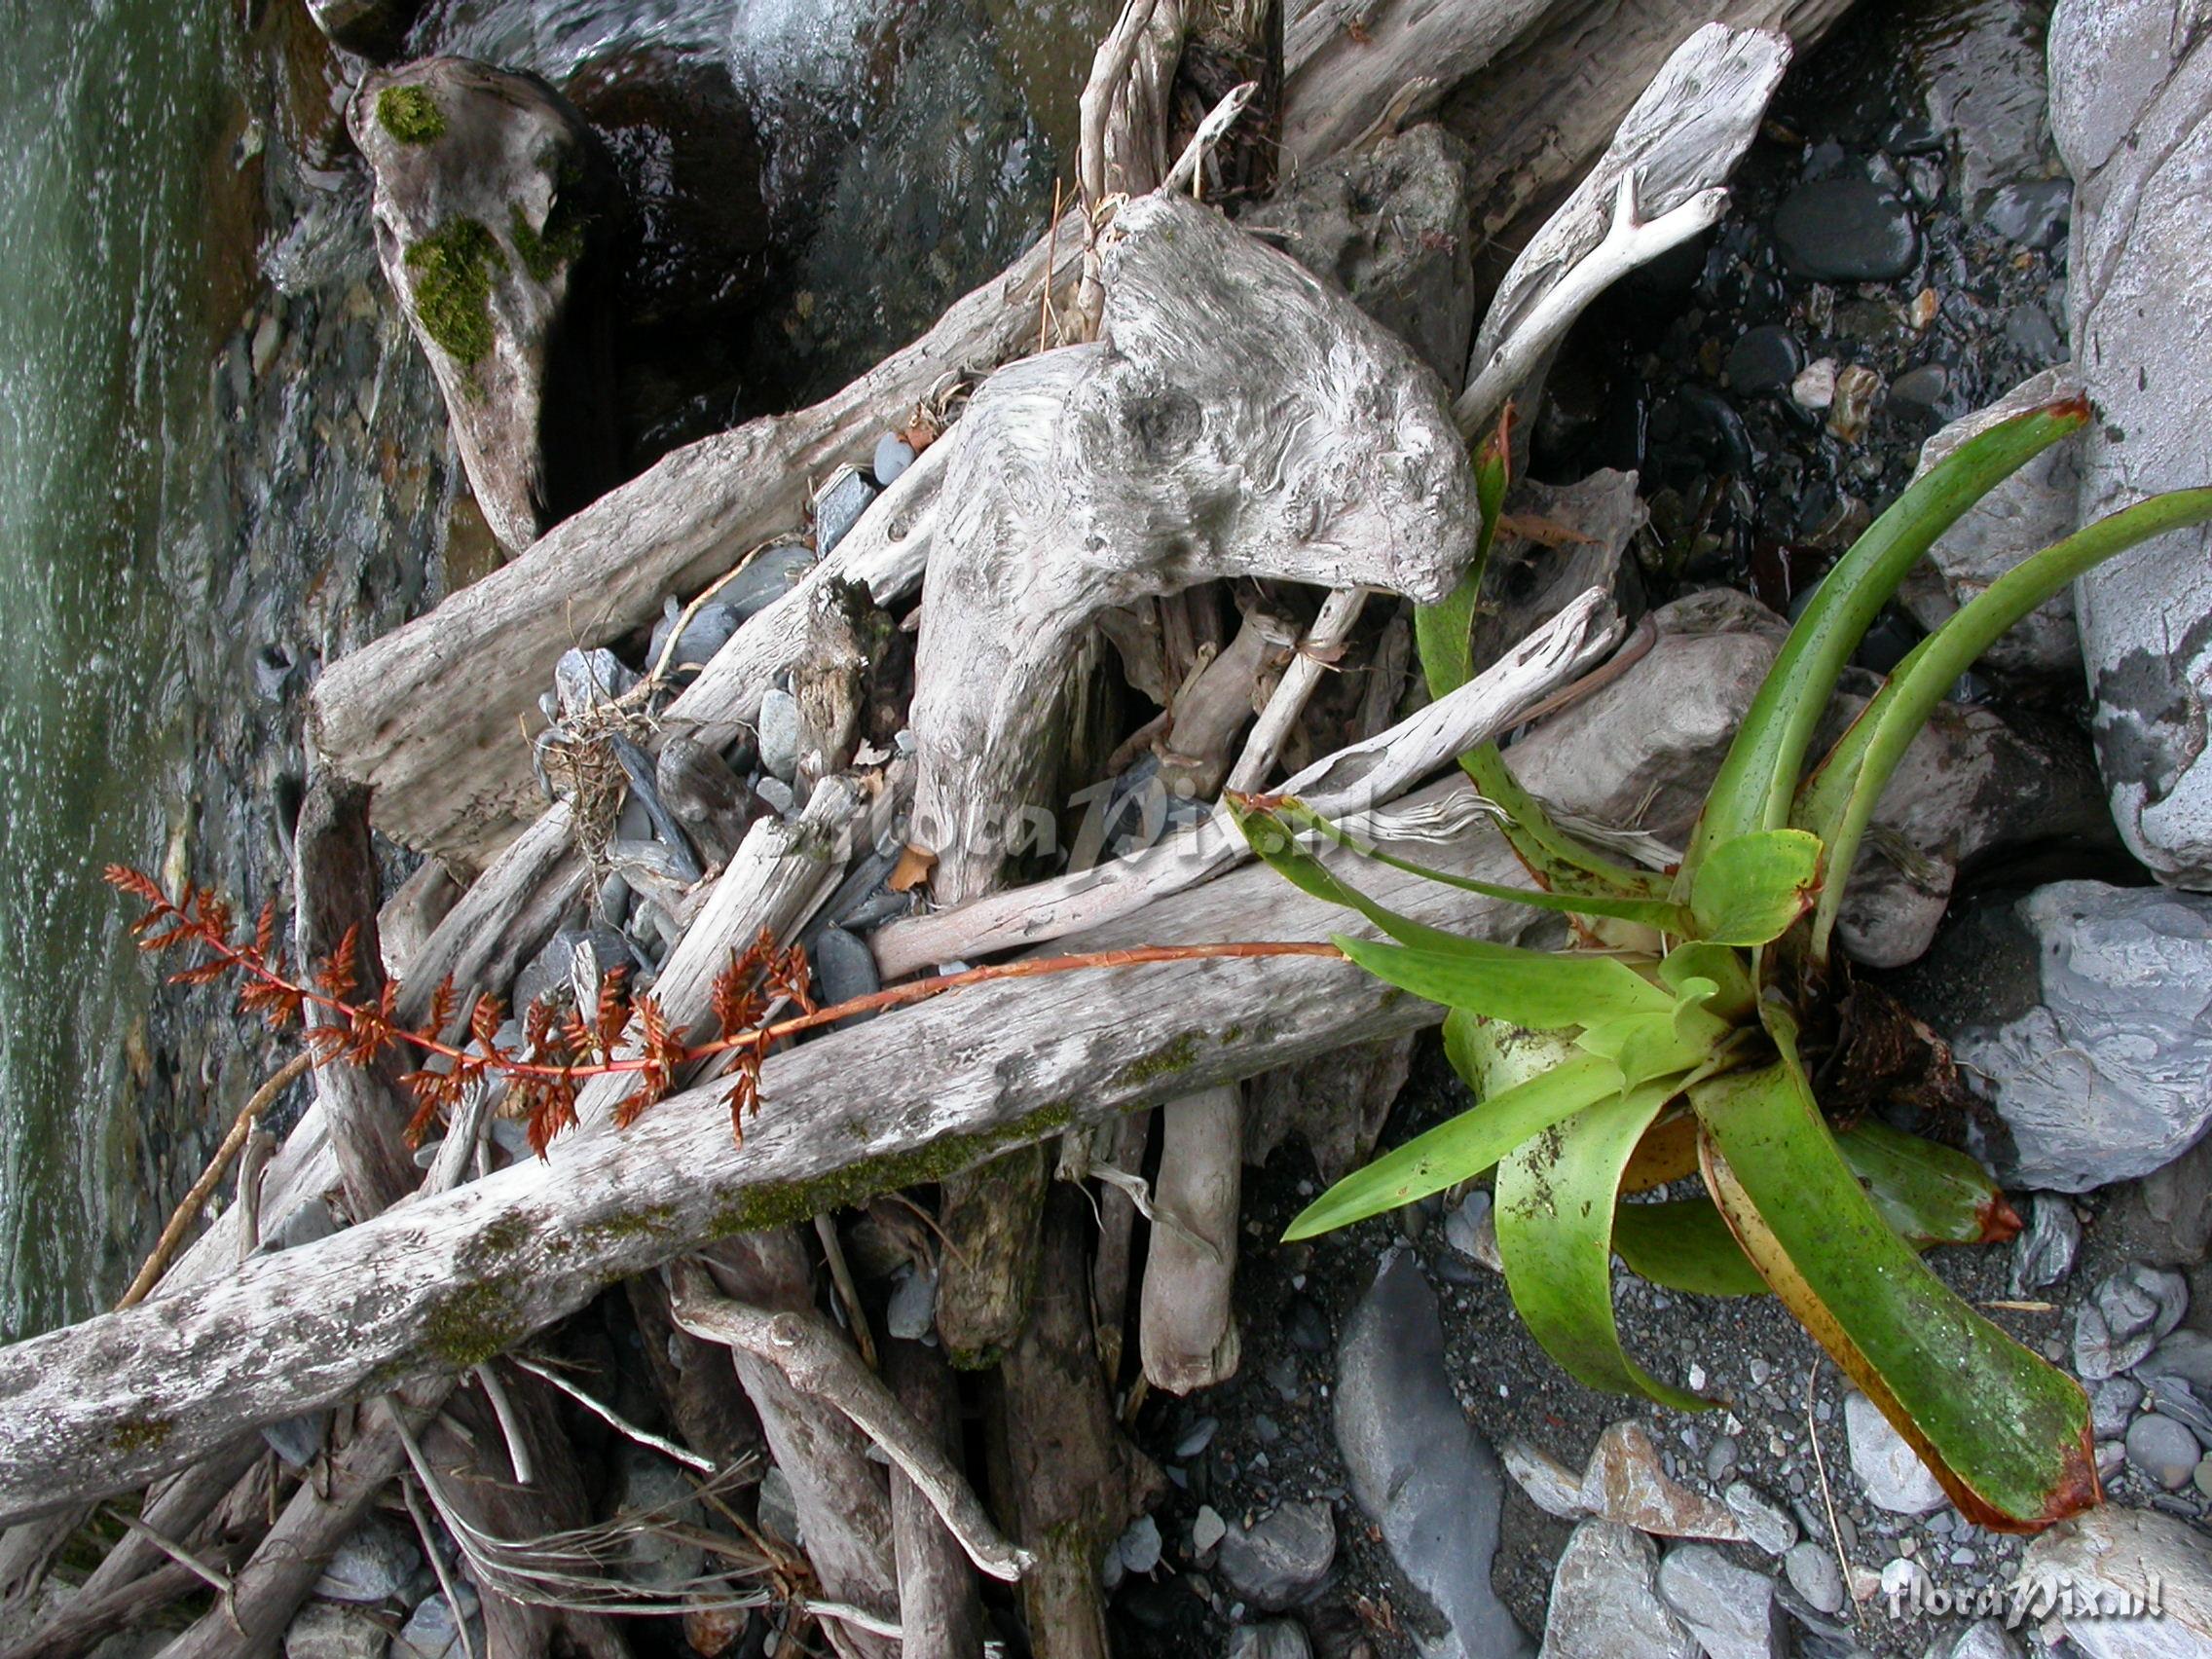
<point>893,455</point>
<point>1848,230</point>
<point>2163,1449</point>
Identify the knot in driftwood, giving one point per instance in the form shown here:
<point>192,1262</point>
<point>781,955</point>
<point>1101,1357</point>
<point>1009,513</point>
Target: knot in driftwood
<point>1237,419</point>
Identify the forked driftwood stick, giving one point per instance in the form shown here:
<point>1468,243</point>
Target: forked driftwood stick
<point>1675,145</point>
<point>817,1361</point>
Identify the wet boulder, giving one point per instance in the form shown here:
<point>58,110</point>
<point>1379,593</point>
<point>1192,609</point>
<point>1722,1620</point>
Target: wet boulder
<point>491,200</point>
<point>373,28</point>
<point>2131,108</point>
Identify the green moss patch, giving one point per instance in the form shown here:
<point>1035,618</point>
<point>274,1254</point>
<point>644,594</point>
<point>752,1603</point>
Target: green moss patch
<point>453,287</point>
<point>410,115</point>
<point>472,1324</point>
<point>544,253</point>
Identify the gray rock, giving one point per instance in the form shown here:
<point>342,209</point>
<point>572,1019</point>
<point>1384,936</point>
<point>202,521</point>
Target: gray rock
<point>1769,1526</point>
<point>298,1439</point>
<point>2186,1354</point>
<point>2163,1449</point>
<point>652,1486</point>
<point>893,455</point>
<point>779,733</point>
<point>2166,1217</point>
<point>1283,1558</point>
<point>1847,230</point>
<point>2111,1406</point>
<point>2110,1074</point>
<point>912,1311</point>
<point>554,966</point>
<point>1207,1529</point>
<point>2098,1353</point>
<point>2021,516</point>
<point>1766,359</point>
<point>1139,1545</point>
<point>333,1630</point>
<point>712,627</point>
<point>839,506</point>
<point>1417,1467</point>
<point>1813,1574</point>
<point>770,576</point>
<point>2140,1297</point>
<point>2131,109</point>
<point>1604,1601</point>
<point>2174,1397</point>
<point>582,679</point>
<point>2111,1551</point>
<point>1276,1639</point>
<point>710,801</point>
<point>432,1633</point>
<point>1730,1610</point>
<point>1470,1229</point>
<point>1985,1638</point>
<point>376,1561</point>
<point>844,968</point>
<point>1889,1470</point>
<point>491,195</point>
<point>779,1511</point>
<point>1391,224</point>
<point>2044,1253</point>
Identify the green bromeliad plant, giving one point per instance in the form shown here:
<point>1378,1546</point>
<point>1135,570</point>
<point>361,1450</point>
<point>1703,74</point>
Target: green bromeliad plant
<point>1682,1032</point>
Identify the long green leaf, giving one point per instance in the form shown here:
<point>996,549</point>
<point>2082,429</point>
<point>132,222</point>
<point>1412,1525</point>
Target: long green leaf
<point>1758,779</point>
<point>1556,1196</point>
<point>1684,1245</point>
<point>1462,1148</point>
<point>1928,1194</point>
<point>1753,887</point>
<point>1663,914</point>
<point>1444,634</point>
<point>1838,802</point>
<point>1505,982</point>
<point>2007,1435</point>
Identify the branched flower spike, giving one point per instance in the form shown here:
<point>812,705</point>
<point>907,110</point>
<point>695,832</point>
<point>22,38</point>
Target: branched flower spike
<point>561,1047</point>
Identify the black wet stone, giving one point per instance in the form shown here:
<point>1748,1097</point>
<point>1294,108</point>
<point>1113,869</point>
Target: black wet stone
<point>1767,358</point>
<point>1923,387</point>
<point>1846,230</point>
<point>2033,216</point>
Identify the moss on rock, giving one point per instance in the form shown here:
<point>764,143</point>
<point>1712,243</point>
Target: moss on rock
<point>453,287</point>
<point>410,115</point>
<point>562,241</point>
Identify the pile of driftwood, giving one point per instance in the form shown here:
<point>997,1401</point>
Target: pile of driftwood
<point>1173,425</point>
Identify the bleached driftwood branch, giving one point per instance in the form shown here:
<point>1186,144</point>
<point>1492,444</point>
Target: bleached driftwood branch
<point>1657,185</point>
<point>1364,774</point>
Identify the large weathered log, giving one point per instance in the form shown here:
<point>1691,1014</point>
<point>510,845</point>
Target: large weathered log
<point>493,203</point>
<point>1238,417</point>
<point>1542,110</point>
<point>427,715</point>
<point>1397,64</point>
<point>336,880</point>
<point>109,1404</point>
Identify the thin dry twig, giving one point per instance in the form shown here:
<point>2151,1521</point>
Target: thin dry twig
<point>430,1540</point>
<point>1827,1496</point>
<point>182,1217</point>
<point>606,1414</point>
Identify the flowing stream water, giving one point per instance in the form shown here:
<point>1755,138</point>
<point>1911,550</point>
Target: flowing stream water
<point>222,461</point>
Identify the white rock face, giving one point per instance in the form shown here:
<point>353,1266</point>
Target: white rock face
<point>1604,1603</point>
<point>1730,1610</point>
<point>2030,510</point>
<point>2108,1076</point>
<point>1890,1471</point>
<point>2136,1553</point>
<point>2131,109</point>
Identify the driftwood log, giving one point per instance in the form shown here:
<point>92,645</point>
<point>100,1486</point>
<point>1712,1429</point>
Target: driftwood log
<point>448,1281</point>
